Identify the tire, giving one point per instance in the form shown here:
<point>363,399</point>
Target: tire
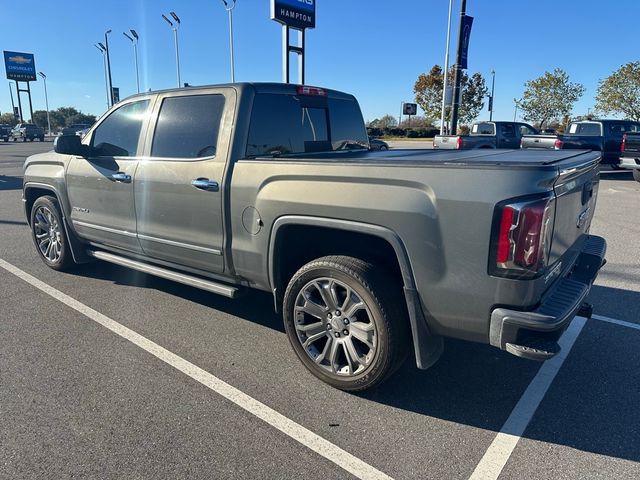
<point>636,175</point>
<point>615,166</point>
<point>24,139</point>
<point>47,224</point>
<point>373,330</point>
<point>384,148</point>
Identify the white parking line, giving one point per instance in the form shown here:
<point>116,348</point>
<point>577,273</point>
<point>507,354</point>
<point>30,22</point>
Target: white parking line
<point>496,457</point>
<point>306,437</point>
<point>622,323</point>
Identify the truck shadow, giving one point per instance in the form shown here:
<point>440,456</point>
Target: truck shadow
<point>8,182</point>
<point>476,385</point>
<point>617,175</point>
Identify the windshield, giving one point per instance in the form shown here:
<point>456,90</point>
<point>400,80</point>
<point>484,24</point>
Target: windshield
<point>288,124</point>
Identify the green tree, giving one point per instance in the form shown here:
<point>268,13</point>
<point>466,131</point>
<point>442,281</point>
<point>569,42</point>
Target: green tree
<point>549,97</point>
<point>8,119</point>
<point>40,118</point>
<point>620,92</point>
<point>428,91</point>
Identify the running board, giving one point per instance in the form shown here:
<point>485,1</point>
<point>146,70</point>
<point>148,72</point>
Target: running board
<point>192,281</point>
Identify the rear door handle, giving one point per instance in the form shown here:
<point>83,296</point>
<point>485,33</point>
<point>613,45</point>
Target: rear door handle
<point>121,177</point>
<point>205,184</point>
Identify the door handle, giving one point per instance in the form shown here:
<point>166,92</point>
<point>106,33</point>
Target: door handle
<point>121,177</point>
<point>205,184</point>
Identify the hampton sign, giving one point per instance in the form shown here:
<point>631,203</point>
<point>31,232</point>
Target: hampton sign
<point>20,66</point>
<point>299,14</point>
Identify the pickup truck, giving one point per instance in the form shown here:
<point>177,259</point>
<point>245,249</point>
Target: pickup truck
<point>600,135</point>
<point>630,154</point>
<point>27,131</point>
<point>5,132</point>
<point>368,255</point>
<point>486,135</point>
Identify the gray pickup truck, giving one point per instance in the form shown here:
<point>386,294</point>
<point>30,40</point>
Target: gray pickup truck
<point>368,255</point>
<point>486,135</point>
<point>27,131</point>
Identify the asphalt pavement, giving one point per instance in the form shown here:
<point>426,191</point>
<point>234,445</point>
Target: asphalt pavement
<point>81,400</point>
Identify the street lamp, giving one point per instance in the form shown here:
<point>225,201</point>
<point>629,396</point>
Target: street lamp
<point>46,101</point>
<point>106,43</point>
<point>491,101</point>
<point>446,73</point>
<point>174,27</point>
<point>515,113</point>
<point>103,51</point>
<point>134,41</point>
<point>229,6</point>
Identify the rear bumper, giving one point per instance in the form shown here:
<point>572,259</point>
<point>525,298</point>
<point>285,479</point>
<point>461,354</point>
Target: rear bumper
<point>558,307</point>
<point>630,163</point>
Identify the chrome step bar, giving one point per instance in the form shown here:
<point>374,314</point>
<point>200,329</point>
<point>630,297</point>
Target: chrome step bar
<point>204,284</point>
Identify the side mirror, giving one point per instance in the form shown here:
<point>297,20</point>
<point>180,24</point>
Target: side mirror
<point>69,145</point>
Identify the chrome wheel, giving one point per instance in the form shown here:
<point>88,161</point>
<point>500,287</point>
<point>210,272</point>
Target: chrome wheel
<point>47,233</point>
<point>335,327</point>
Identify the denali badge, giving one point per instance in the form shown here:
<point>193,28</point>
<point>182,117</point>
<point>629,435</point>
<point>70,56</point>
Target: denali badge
<point>582,218</point>
<point>80,209</point>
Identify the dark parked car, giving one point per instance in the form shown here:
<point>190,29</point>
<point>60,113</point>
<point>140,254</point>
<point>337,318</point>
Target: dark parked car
<point>486,135</point>
<point>377,144</point>
<point>5,132</point>
<point>78,129</point>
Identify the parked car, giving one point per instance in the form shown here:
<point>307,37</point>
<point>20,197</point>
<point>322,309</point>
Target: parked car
<point>5,132</point>
<point>377,144</point>
<point>369,256</point>
<point>77,129</point>
<point>630,154</point>
<point>486,135</point>
<point>27,131</point>
<point>601,135</point>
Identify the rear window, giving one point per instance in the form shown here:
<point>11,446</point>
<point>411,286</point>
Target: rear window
<point>588,129</point>
<point>483,129</point>
<point>620,128</point>
<point>288,124</point>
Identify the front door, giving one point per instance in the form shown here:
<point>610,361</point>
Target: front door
<point>100,187</point>
<point>178,185</point>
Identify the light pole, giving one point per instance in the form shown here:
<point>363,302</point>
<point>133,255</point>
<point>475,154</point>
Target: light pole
<point>229,6</point>
<point>493,87</point>
<point>446,72</point>
<point>515,113</point>
<point>106,42</point>
<point>174,27</point>
<point>134,41</point>
<point>46,101</point>
<point>103,51</point>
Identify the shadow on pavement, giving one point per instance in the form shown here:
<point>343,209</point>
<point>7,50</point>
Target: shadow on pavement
<point>617,175</point>
<point>12,222</point>
<point>8,182</point>
<point>474,384</point>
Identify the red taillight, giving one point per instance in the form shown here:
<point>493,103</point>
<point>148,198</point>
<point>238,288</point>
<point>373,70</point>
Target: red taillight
<point>523,238</point>
<point>306,90</point>
<point>459,143</point>
<point>624,142</point>
<point>557,144</point>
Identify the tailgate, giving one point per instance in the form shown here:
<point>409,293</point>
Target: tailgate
<point>538,141</point>
<point>632,145</point>
<point>576,192</point>
<point>446,142</point>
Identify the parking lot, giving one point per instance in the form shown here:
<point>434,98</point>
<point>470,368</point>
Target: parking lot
<point>109,373</point>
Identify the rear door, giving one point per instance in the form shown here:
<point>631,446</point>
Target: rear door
<point>507,136</point>
<point>100,187</point>
<point>178,185</point>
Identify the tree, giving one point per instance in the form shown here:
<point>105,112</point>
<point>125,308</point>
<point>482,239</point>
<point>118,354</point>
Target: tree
<point>387,121</point>
<point>620,92</point>
<point>428,90</point>
<point>40,118</point>
<point>8,119</point>
<point>549,97</point>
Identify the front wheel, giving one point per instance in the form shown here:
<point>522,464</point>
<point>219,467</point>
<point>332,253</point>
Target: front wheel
<point>346,322</point>
<point>636,175</point>
<point>48,233</point>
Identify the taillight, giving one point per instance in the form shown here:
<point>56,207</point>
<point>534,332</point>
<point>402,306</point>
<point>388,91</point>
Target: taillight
<point>624,143</point>
<point>459,143</point>
<point>557,144</point>
<point>306,90</point>
<point>522,237</point>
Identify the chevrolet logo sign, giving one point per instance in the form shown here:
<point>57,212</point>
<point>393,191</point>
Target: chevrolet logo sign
<point>20,60</point>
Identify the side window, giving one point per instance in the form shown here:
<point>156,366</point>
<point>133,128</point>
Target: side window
<point>188,127</point>
<point>118,135</point>
<point>508,130</point>
<point>526,130</point>
<point>483,129</point>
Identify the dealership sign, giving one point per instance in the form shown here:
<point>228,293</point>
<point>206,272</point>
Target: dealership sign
<point>298,14</point>
<point>20,66</point>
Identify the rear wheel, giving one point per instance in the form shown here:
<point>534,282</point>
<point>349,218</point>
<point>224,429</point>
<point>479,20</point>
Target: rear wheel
<point>384,148</point>
<point>48,233</point>
<point>346,322</point>
<point>636,175</point>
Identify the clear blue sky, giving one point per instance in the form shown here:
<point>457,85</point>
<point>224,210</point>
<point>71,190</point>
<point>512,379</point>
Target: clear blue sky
<point>374,49</point>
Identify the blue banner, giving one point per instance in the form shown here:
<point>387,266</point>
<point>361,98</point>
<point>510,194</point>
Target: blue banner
<point>20,66</point>
<point>298,14</point>
<point>467,23</point>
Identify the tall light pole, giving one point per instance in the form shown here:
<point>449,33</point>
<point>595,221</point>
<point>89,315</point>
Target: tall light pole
<point>106,42</point>
<point>103,51</point>
<point>446,72</point>
<point>134,41</point>
<point>174,27</point>
<point>515,113</point>
<point>46,101</point>
<point>229,6</point>
<point>493,88</point>
<point>457,74</point>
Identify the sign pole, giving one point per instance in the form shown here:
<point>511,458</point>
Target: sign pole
<point>19,102</point>
<point>13,105</point>
<point>446,72</point>
<point>30,104</point>
<point>285,53</point>
<point>297,15</point>
<point>301,57</point>
<point>458,70</point>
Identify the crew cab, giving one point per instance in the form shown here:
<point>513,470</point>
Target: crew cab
<point>27,131</point>
<point>601,135</point>
<point>369,256</point>
<point>486,135</point>
<point>630,154</point>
